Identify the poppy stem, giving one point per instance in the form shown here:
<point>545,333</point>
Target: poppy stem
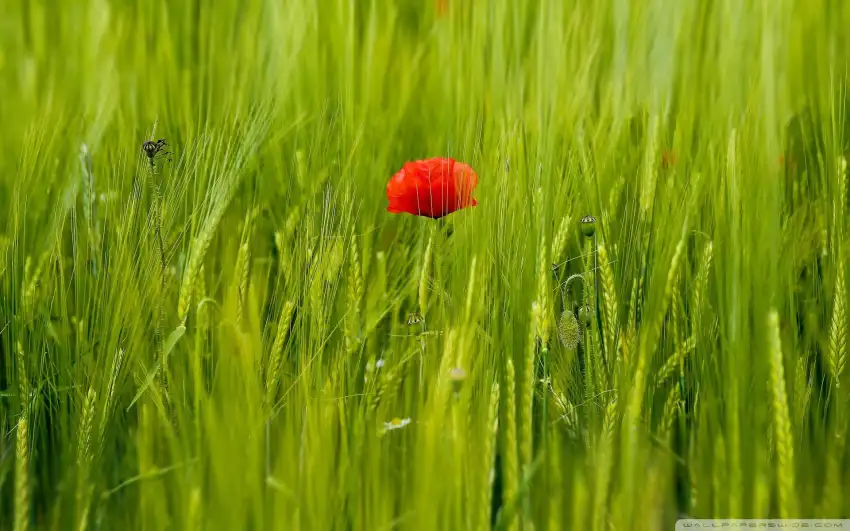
<point>596,294</point>
<point>565,290</point>
<point>439,241</point>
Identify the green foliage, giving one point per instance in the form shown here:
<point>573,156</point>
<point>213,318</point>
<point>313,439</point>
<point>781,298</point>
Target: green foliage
<point>239,336</point>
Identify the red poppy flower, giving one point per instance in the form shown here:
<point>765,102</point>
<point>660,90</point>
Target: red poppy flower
<point>432,188</point>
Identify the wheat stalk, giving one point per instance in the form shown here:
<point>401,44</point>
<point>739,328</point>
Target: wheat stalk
<point>653,330</point>
<point>559,241</point>
<point>275,356</point>
<point>220,197</point>
<point>117,361</point>
<point>649,173</point>
<point>568,414</point>
<point>676,312</point>
<point>526,394</point>
<point>675,361</point>
<point>22,488</point>
<point>388,387</point>
<point>355,298</point>
<point>837,352</point>
<point>610,317</point>
<point>701,281</point>
<point>781,420</point>
<point>616,194</point>
<point>23,378</point>
<point>84,459</point>
<point>671,410</point>
<point>701,288</point>
<point>631,321</point>
<point>646,345</point>
<point>86,422</point>
<point>650,337</point>
<point>802,390</point>
<point>839,204</point>
<point>604,464</point>
<point>719,468</point>
<point>538,332</point>
<point>483,493</point>
<point>199,292</point>
<point>197,252</point>
<point>243,276</point>
<point>510,466</point>
<point>32,283</point>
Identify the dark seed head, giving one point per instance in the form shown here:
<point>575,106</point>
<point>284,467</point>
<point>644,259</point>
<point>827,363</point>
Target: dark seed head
<point>149,148</point>
<point>588,226</point>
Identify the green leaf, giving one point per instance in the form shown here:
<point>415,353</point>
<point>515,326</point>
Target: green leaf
<point>172,340</point>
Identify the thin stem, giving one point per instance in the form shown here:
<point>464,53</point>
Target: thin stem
<point>596,296</point>
<point>565,287</point>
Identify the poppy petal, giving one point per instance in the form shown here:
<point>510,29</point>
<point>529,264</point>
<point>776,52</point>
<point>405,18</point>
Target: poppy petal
<point>432,187</point>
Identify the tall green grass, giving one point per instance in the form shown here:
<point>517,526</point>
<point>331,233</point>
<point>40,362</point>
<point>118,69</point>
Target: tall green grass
<point>223,340</point>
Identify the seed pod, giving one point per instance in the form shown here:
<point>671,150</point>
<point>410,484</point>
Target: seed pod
<point>585,315</point>
<point>568,330</point>
<point>588,226</point>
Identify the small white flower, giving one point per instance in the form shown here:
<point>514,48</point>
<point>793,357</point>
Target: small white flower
<point>379,364</point>
<point>396,424</point>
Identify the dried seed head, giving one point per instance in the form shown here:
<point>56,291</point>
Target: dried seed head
<point>588,226</point>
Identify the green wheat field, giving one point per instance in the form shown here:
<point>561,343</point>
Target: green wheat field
<point>644,318</point>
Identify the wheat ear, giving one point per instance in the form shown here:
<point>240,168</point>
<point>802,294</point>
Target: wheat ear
<point>781,420</point>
